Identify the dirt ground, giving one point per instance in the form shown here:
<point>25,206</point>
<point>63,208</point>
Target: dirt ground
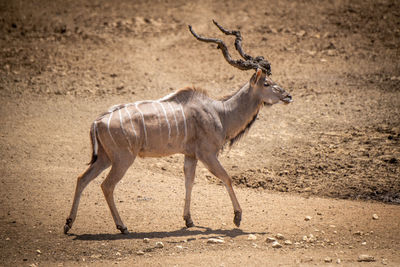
<point>333,154</point>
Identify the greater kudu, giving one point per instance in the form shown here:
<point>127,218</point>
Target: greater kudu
<point>186,122</point>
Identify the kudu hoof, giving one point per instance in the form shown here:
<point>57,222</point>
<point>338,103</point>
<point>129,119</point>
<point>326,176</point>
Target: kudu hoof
<point>67,226</point>
<point>124,230</point>
<point>189,223</point>
<point>237,218</point>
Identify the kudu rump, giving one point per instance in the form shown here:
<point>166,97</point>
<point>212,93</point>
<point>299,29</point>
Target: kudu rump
<point>187,122</point>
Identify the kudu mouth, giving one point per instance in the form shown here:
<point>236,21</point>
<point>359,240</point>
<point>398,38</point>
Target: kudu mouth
<point>288,99</point>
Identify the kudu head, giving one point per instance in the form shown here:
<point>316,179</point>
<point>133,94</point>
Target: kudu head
<point>266,89</point>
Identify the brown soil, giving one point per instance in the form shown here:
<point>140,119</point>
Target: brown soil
<point>333,154</point>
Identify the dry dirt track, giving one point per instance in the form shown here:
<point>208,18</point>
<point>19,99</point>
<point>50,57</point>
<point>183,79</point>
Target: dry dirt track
<point>333,154</point>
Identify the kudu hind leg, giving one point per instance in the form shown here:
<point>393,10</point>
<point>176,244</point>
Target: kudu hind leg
<point>215,167</point>
<point>116,173</point>
<point>189,170</point>
<point>83,180</point>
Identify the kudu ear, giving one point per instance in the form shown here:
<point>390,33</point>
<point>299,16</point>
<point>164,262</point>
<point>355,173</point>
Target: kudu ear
<point>258,77</point>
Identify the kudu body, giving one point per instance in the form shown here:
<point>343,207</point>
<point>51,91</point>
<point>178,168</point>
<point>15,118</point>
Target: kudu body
<point>187,122</point>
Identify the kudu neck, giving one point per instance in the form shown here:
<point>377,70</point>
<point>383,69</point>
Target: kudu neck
<point>239,110</point>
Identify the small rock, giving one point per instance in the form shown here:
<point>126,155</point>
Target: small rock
<point>364,243</point>
<point>215,241</point>
<point>38,251</point>
<point>95,256</point>
<point>301,33</point>
<point>308,218</point>
<point>338,261</point>
<point>332,226</point>
<point>270,240</point>
<point>146,240</point>
<point>139,252</point>
<point>159,244</point>
<point>328,259</point>
<point>305,238</point>
<point>179,247</point>
<point>252,237</point>
<point>375,216</point>
<point>311,53</point>
<point>360,233</point>
<point>365,258</point>
<point>288,242</point>
<point>7,238</point>
<point>384,262</point>
<point>276,245</point>
<point>118,253</point>
<point>331,52</point>
<point>279,236</point>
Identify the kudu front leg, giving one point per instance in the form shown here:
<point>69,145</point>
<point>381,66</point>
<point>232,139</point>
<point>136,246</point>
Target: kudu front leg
<point>189,169</point>
<point>214,166</point>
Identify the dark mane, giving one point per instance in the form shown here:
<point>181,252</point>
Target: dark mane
<point>235,139</point>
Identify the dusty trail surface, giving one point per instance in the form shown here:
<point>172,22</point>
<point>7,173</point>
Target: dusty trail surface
<point>333,154</point>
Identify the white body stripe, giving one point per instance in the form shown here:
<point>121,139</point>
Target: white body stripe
<point>144,124</point>
<point>184,119</point>
<point>176,121</point>
<point>130,119</point>
<point>158,116</point>
<point>108,127</point>
<point>166,119</point>
<point>123,131</point>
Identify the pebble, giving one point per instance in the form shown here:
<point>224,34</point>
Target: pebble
<point>363,243</point>
<point>252,237</point>
<point>338,261</point>
<point>301,33</point>
<point>276,245</point>
<point>360,233</point>
<point>279,236</point>
<point>159,244</point>
<point>215,241</point>
<point>179,247</point>
<point>270,240</point>
<point>328,259</point>
<point>288,242</point>
<point>38,251</point>
<point>308,218</point>
<point>118,253</point>
<point>146,240</point>
<point>365,258</point>
<point>139,252</point>
<point>375,216</point>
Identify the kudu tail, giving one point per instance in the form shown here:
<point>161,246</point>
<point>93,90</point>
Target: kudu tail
<point>95,143</point>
